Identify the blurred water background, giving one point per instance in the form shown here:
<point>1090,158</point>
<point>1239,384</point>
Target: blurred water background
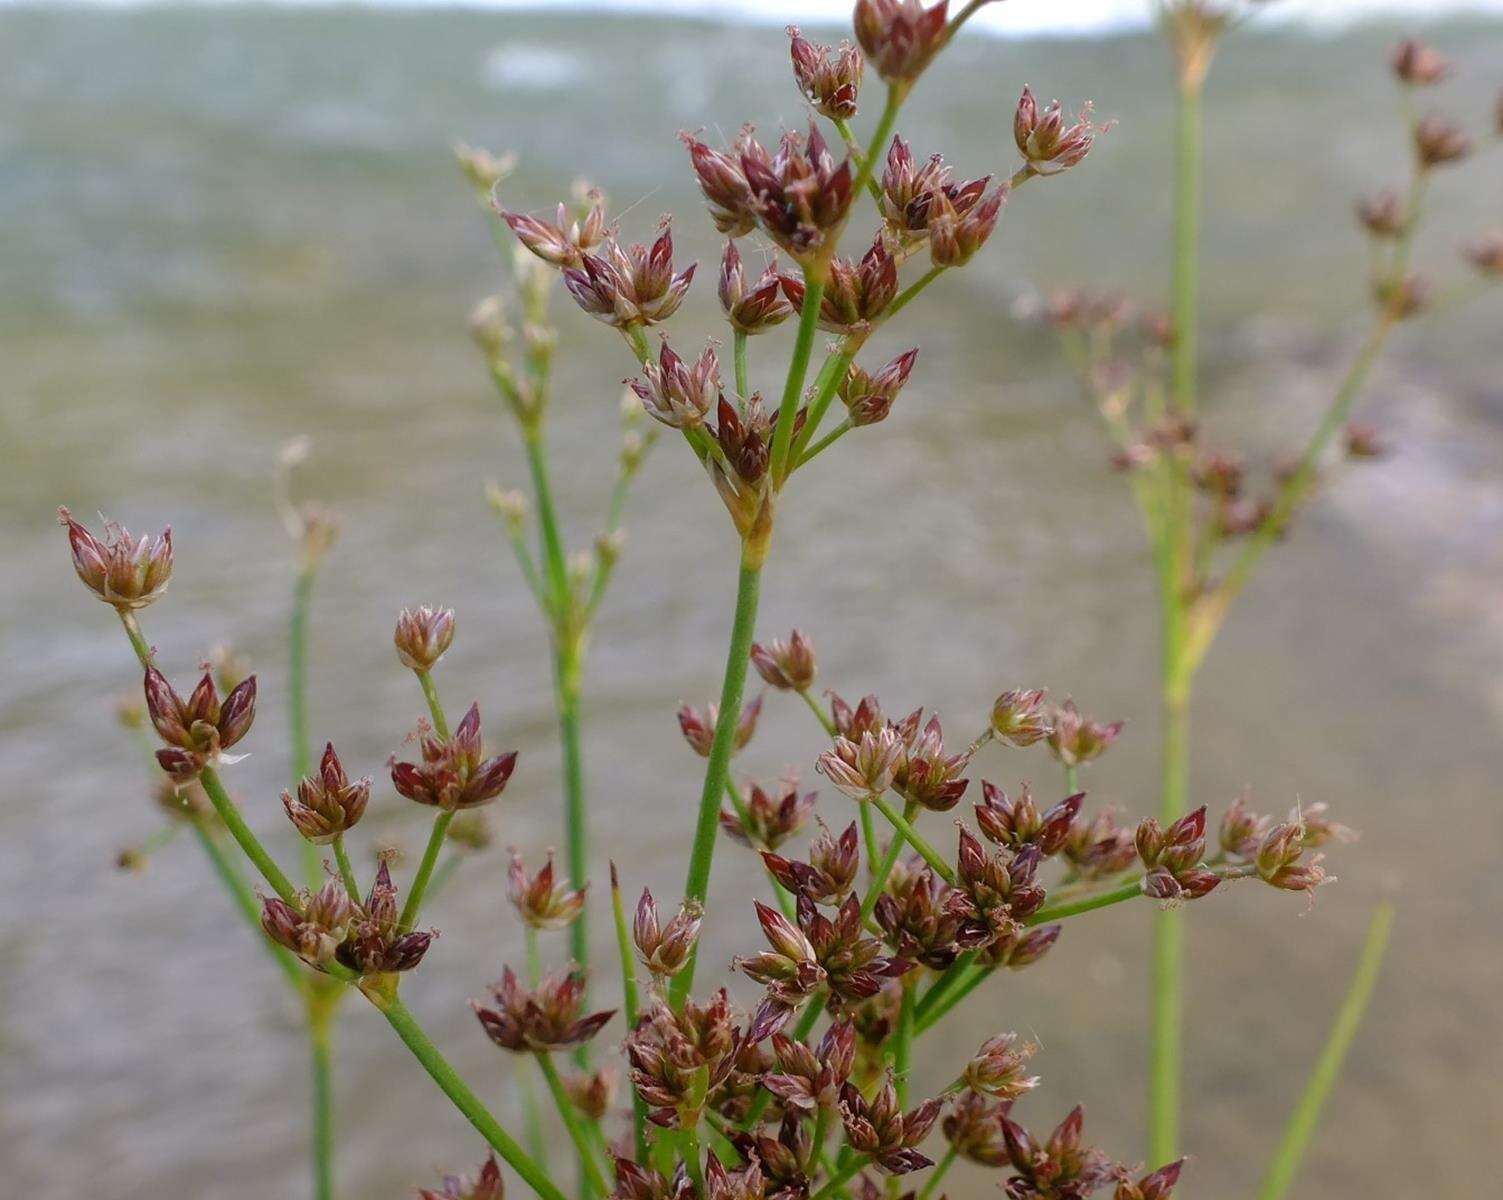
<point>221,229</point>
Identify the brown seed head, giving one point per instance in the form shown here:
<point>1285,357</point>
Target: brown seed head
<point>120,570</point>
<point>422,636</point>
<point>328,803</point>
<point>829,76</point>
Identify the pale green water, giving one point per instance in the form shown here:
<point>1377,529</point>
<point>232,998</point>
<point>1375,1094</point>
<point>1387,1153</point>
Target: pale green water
<point>218,230</point>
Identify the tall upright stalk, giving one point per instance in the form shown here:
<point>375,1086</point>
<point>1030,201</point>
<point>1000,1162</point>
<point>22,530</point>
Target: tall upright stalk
<point>738,658</point>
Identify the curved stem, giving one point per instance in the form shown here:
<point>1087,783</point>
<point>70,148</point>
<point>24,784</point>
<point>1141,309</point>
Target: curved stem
<point>717,770</point>
<point>905,827</point>
<point>825,442</point>
<point>453,1086</point>
<point>743,388</point>
<point>798,368</point>
<point>629,1004</point>
<point>138,641</point>
<point>425,871</point>
<point>346,872</point>
<point>1306,1115</point>
<point>588,1165</point>
<point>246,840</point>
<point>435,705</point>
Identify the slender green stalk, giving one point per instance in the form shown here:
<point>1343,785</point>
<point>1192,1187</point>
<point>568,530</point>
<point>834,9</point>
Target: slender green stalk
<point>346,872</point>
<point>629,1004</point>
<point>819,711</point>
<point>693,1162</point>
<point>842,1175</point>
<point>911,292</point>
<point>905,827</point>
<point>246,840</point>
<point>297,700</point>
<point>532,1117</point>
<point>717,770</point>
<point>831,375</point>
<point>1072,779</point>
<point>784,899</point>
<point>435,705</point>
<point>1306,1116</point>
<point>138,641</point>
<point>319,1032</point>
<point>1187,170</point>
<point>425,870</point>
<point>798,368</point>
<point>881,871</point>
<point>245,901</point>
<point>588,1165</point>
<point>738,342</point>
<point>806,1022</point>
<point>453,1086</point>
<point>1169,949</point>
<point>825,442</point>
<point>902,1052</point>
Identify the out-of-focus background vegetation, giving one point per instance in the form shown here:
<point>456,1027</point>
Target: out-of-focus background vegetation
<point>222,228</point>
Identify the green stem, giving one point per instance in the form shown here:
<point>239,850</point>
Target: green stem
<point>138,641</point>
<point>425,871</point>
<point>841,1176</point>
<point>743,388</point>
<point>717,770</point>
<point>910,293</point>
<point>464,1099</point>
<point>807,1019</point>
<point>902,1053</point>
<point>784,899</point>
<point>905,827</point>
<point>589,1167</point>
<point>798,367</point>
<point>1187,168</point>
<point>323,1108</point>
<point>882,871</point>
<point>825,442</point>
<point>629,995</point>
<point>819,712</point>
<point>1306,1115</point>
<point>1072,779</point>
<point>245,901</point>
<point>297,700</point>
<point>867,167</point>
<point>435,705</point>
<point>693,1162</point>
<point>1169,945</point>
<point>346,872</point>
<point>246,840</point>
<point>831,375</point>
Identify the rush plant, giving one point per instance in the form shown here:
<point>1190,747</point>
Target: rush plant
<point>876,930</point>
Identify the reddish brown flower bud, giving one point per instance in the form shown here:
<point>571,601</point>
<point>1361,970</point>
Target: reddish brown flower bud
<point>865,768</point>
<point>772,815</point>
<point>376,944</point>
<point>809,1079</point>
<point>926,775</point>
<point>1383,215</point>
<point>900,37</point>
<point>908,190</point>
<point>1363,441</point>
<point>790,970</point>
<point>454,774</point>
<point>856,294</point>
<point>879,1128</point>
<point>753,311</point>
<point>678,1059</point>
<point>1486,253</point>
<point>830,873</point>
<point>996,892</point>
<point>327,804</point>
<point>1439,140</point>
<point>1099,847</point>
<point>1021,823</point>
<point>675,393</point>
<point>1173,857</point>
<point>1047,145</point>
<point>540,900</point>
<point>973,1127</point>
<point>723,182</point>
<point>869,398</point>
<point>1218,474</point>
<point>1241,829</point>
<point>1417,64</point>
<point>547,1017</point>
<point>999,1068</point>
<point>829,77</point>
<point>1157,1185</point>
<point>197,730</point>
<point>1319,828</point>
<point>698,727</point>
<point>566,241</point>
<point>1077,739</point>
<point>423,635</point>
<point>643,1183</point>
<point>1403,298</point>
<point>630,287</point>
<point>1280,859</point>
<point>954,237</point>
<point>1018,950</point>
<point>799,195</point>
<point>315,932</point>
<point>1062,1166</point>
<point>487,1185</point>
<point>1019,719</point>
<point>666,949</point>
<point>593,1093</point>
<point>1158,329</point>
<point>787,665</point>
<point>120,570</point>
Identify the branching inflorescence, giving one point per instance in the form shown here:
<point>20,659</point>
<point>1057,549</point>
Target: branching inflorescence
<point>878,929</point>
